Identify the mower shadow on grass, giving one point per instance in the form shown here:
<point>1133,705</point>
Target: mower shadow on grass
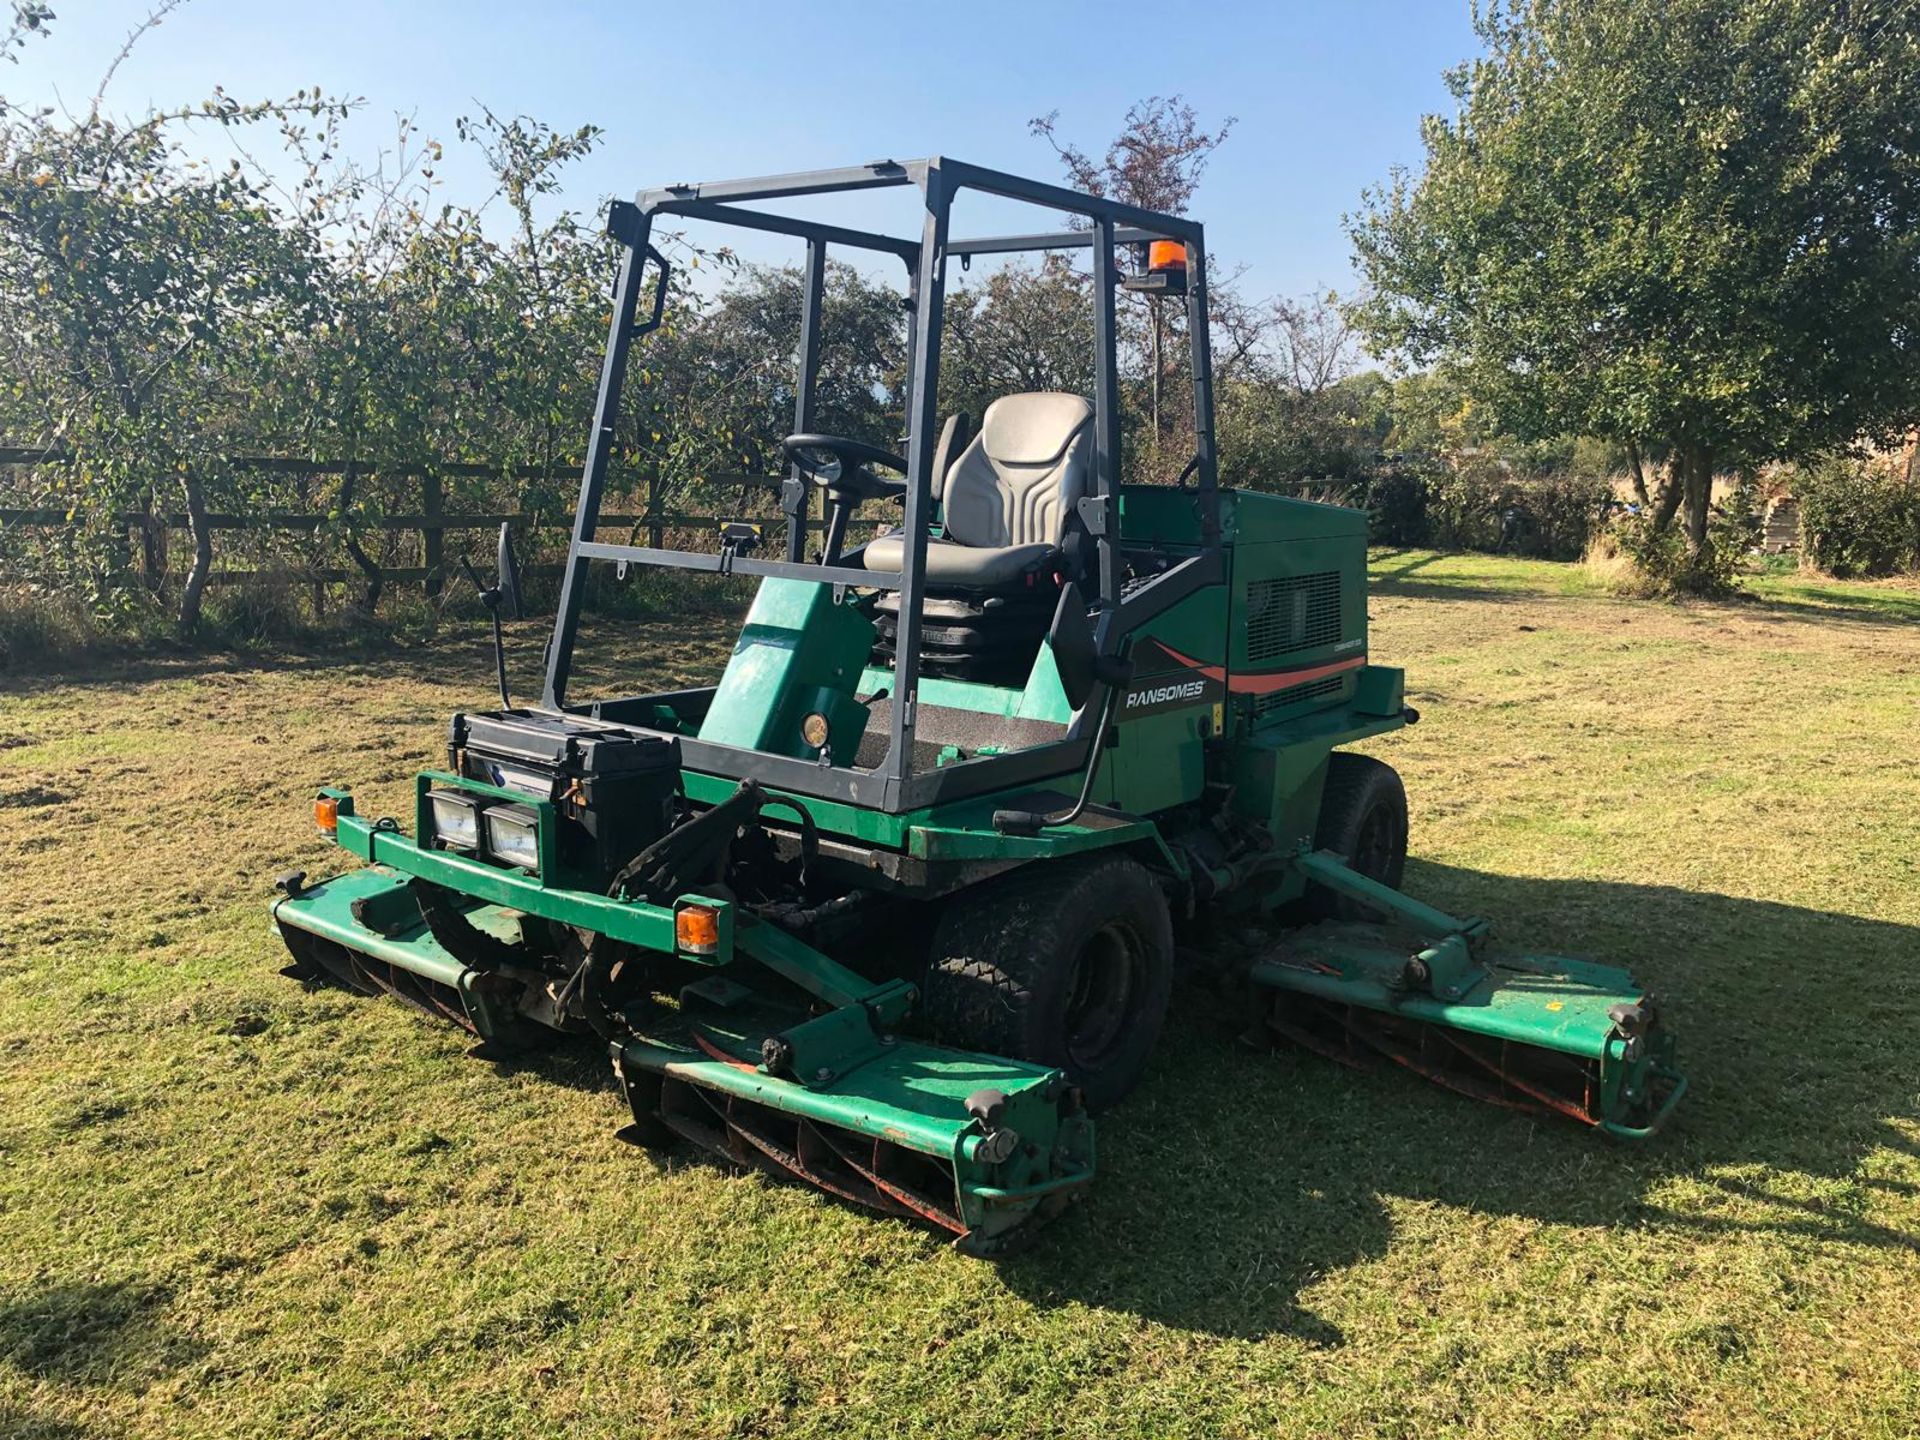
<point>1235,1179</point>
<point>577,1062</point>
<point>22,1424</point>
<point>90,1334</point>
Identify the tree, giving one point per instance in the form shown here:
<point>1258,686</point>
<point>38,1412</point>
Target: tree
<point>438,341</point>
<point>1155,162</point>
<point>722,384</point>
<point>1314,342</point>
<point>1690,227</point>
<point>141,298</point>
<point>1029,327</point>
<point>1272,435</point>
<point>161,312</point>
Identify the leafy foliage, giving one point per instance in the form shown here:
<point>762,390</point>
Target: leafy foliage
<point>1858,518</point>
<point>1686,226</point>
<point>1155,161</point>
<point>159,313</point>
<point>141,297</point>
<point>1661,563</point>
<point>29,17</point>
<point>1027,328</point>
<point>722,383</point>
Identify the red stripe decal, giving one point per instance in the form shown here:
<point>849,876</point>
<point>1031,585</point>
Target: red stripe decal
<point>1269,681</point>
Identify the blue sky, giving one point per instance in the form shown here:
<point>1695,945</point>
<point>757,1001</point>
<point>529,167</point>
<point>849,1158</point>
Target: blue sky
<point>1328,95</point>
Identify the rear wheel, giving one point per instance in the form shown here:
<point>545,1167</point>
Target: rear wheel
<point>1066,963</point>
<point>1363,816</point>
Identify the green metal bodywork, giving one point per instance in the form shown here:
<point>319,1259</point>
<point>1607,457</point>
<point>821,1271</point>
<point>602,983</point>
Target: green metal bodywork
<point>800,652</point>
<point>1536,1001</point>
<point>849,1070</point>
<point>383,843</point>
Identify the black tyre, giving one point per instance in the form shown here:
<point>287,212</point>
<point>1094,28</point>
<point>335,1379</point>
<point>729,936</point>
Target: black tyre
<point>1363,816</point>
<point>1064,962</point>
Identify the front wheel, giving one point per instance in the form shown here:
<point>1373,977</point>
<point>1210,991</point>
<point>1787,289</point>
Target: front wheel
<point>1066,963</point>
<point>1363,816</point>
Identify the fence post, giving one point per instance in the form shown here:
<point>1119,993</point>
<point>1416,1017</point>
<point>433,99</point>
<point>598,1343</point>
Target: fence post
<point>433,535</point>
<point>656,524</point>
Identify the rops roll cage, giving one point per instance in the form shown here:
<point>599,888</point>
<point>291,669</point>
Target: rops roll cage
<point>894,786</point>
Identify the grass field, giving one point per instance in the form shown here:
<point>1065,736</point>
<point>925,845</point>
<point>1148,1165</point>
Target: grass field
<point>231,1207</point>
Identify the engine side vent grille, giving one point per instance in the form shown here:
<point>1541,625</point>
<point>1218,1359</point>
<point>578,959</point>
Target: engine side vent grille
<point>1290,613</point>
<point>1294,694</point>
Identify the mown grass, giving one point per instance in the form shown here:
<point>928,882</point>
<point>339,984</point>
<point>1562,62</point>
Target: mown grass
<point>232,1207</point>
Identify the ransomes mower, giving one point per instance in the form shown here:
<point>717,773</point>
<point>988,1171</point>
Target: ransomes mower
<point>890,909</point>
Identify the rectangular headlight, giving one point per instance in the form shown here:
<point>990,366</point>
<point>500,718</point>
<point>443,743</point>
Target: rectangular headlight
<point>456,818</point>
<point>513,835</point>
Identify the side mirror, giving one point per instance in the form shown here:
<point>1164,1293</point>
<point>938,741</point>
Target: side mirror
<point>507,573</point>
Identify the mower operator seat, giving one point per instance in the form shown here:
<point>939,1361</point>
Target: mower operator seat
<point>1007,498</point>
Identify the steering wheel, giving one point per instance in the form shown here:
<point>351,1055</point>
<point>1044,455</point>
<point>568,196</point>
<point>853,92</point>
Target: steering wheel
<point>839,466</point>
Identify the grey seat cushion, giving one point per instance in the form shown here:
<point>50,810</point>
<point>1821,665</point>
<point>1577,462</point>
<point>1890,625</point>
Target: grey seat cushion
<point>1018,480</point>
<point>970,566</point>
<point>1006,499</point>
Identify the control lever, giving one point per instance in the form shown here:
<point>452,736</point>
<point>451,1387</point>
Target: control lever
<point>1113,671</point>
<point>491,597</point>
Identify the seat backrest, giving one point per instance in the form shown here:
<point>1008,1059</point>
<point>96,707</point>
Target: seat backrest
<point>1017,482</point>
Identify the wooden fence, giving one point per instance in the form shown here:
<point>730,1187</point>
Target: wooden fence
<point>149,530</point>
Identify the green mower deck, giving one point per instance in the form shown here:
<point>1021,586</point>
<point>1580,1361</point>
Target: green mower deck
<point>1542,1034</point>
<point>896,1134</point>
<point>977,1145</point>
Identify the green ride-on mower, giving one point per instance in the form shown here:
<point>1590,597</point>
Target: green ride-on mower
<point>890,909</point>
